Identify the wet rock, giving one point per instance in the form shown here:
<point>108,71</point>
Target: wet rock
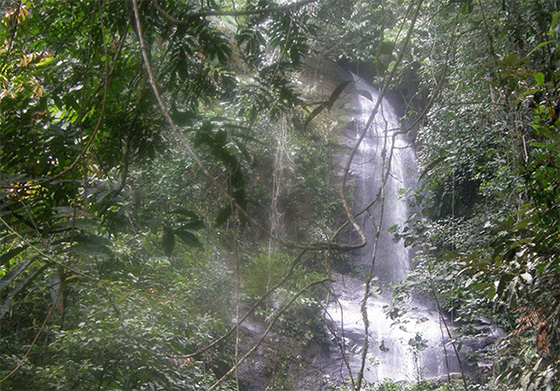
<point>279,362</point>
<point>445,378</point>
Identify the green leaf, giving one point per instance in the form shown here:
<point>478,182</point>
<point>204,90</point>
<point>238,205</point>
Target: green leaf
<point>328,103</point>
<point>243,150</point>
<point>467,8</point>
<point>531,91</point>
<point>547,146</point>
<point>223,216</point>
<point>540,45</point>
<point>13,273</point>
<point>187,213</point>
<point>92,250</point>
<point>193,225</point>
<point>336,93</point>
<point>554,21</point>
<point>314,113</point>
<point>188,238</point>
<point>510,59</point>
<point>8,255</point>
<point>168,240</point>
<point>45,62</point>
<point>502,284</point>
<point>539,78</point>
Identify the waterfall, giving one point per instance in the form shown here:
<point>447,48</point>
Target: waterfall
<point>413,348</point>
<point>378,152</point>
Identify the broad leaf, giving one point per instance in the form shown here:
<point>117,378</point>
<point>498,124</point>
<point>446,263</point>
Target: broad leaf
<point>8,255</point>
<point>188,238</point>
<point>168,240</point>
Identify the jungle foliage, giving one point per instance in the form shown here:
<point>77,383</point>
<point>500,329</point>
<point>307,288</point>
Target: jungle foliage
<point>160,165</point>
<point>126,245</point>
<point>488,152</point>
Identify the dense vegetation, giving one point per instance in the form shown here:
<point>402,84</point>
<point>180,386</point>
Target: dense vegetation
<point>168,167</point>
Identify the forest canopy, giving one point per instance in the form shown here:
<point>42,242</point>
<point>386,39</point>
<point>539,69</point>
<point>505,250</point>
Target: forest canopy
<point>170,169</point>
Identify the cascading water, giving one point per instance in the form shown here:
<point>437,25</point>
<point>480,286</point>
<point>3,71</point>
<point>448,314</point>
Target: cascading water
<point>413,348</point>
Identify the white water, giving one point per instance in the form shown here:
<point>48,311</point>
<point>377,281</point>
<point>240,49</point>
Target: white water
<point>390,353</point>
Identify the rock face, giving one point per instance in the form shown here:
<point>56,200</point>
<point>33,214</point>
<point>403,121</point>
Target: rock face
<point>481,339</point>
<point>279,363</point>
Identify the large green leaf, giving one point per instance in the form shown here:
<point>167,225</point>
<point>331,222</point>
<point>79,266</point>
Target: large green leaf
<point>168,240</point>
<point>15,272</point>
<point>188,238</point>
<point>223,216</point>
<point>8,255</point>
<point>328,103</point>
<point>92,245</point>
